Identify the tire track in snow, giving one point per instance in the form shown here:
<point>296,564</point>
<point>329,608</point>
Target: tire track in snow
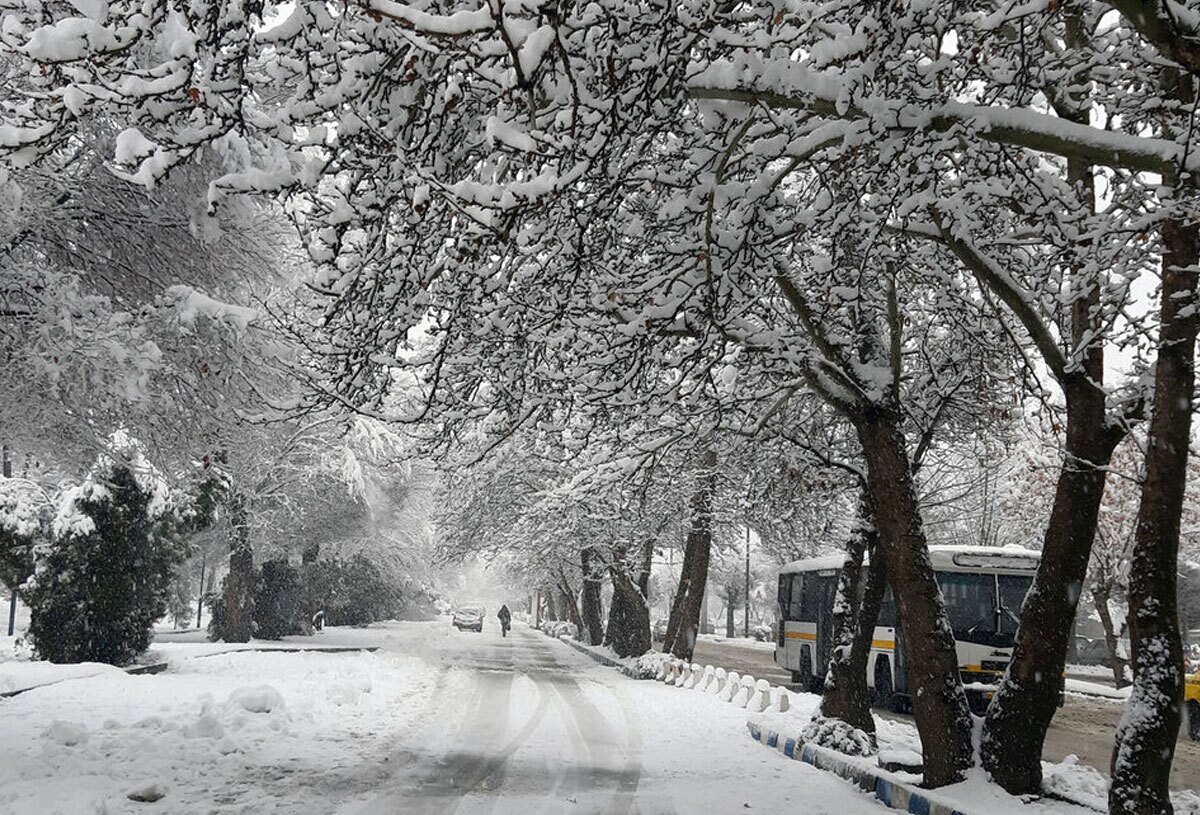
<point>478,760</point>
<point>607,764</point>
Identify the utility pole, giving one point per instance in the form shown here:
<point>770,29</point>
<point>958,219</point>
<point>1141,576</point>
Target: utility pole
<point>12,590</point>
<point>200,602</point>
<point>746,622</point>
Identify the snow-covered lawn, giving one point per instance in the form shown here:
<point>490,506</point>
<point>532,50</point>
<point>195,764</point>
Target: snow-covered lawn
<point>741,642</point>
<point>245,732</point>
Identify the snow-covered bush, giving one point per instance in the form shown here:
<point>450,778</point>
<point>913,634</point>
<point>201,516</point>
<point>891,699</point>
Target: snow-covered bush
<point>648,664</point>
<point>23,511</point>
<point>278,610</point>
<point>104,577</point>
<point>354,591</point>
<point>558,628</point>
<point>838,735</point>
<point>215,600</point>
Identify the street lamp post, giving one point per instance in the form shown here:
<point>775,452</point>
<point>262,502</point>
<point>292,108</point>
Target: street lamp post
<point>746,622</point>
<point>12,592</point>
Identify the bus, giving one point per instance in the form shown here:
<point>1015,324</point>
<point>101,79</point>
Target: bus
<point>984,587</point>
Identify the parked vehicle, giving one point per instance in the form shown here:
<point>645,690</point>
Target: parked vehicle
<point>469,617</point>
<point>984,588</point>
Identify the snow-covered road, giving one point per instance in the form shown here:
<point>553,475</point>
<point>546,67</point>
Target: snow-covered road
<point>436,721</point>
<point>531,726</point>
<point>522,729</point>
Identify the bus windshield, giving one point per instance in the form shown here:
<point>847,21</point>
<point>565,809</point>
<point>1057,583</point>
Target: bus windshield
<point>970,602</point>
<point>1013,589</point>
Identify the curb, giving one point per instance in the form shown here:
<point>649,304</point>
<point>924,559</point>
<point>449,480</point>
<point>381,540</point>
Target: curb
<point>151,668</point>
<point>603,659</point>
<point>890,793</point>
<point>133,670</point>
<point>331,649</point>
<point>161,667</point>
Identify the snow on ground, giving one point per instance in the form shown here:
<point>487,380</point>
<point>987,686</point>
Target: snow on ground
<point>1096,689</point>
<point>242,732</point>
<point>741,642</point>
<point>1102,671</point>
<point>436,721</point>
<point>1069,780</point>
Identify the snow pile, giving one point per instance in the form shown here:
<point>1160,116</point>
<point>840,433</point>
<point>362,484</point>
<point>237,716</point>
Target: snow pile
<point>649,665</point>
<point>560,628</point>
<point>68,734</point>
<point>208,726</point>
<point>839,735</point>
<point>148,793</point>
<point>257,699</point>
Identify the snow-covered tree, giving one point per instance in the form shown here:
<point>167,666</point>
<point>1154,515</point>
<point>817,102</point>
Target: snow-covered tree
<point>104,577</point>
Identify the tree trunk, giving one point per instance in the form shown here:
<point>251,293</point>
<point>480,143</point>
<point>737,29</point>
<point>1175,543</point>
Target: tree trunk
<point>938,699</point>
<point>592,609</point>
<point>730,601</point>
<point>552,604</point>
<point>239,584</point>
<point>846,695</point>
<point>566,602</point>
<point>675,616</point>
<point>643,578</point>
<point>628,632</point>
<point>1145,743</point>
<point>1100,597</point>
<point>684,624</point>
<point>1021,711</point>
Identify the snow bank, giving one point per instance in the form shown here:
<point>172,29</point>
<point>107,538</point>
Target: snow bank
<point>838,735</point>
<point>257,699</point>
<point>650,664</point>
<point>67,734</point>
<point>244,727</point>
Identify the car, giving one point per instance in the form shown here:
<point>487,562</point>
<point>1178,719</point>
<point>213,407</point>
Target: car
<point>469,616</point>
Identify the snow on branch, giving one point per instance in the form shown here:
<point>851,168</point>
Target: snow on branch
<point>781,84</point>
<point>190,304</point>
<point>458,24</point>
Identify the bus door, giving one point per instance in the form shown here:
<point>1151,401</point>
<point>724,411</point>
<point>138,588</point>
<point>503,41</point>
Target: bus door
<point>827,596</point>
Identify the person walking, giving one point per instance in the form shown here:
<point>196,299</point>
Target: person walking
<point>505,620</point>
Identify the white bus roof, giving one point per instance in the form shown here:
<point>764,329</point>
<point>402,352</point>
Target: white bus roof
<point>944,558</point>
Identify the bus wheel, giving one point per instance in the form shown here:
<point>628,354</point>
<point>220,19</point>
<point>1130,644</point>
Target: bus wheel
<point>883,684</point>
<point>1193,711</point>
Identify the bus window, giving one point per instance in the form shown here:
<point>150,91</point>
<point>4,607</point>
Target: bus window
<point>1013,589</point>
<point>785,593</point>
<point>970,602</point>
<point>810,601</point>
<point>796,608</point>
<point>887,610</point>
